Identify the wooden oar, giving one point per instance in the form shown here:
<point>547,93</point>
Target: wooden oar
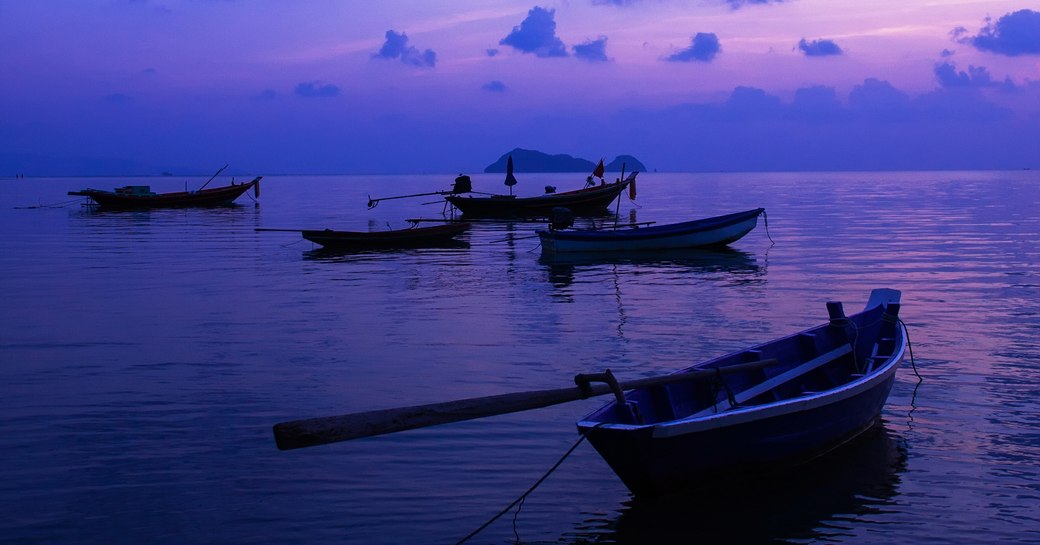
<point>330,429</point>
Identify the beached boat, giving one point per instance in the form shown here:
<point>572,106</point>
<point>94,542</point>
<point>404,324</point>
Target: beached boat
<point>414,237</point>
<point>141,196</point>
<point>591,201</point>
<point>773,405</point>
<point>702,233</point>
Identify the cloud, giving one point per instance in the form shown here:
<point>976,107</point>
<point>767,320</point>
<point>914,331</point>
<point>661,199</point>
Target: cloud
<point>819,48</point>
<point>492,52</point>
<point>592,50</point>
<point>976,76</point>
<point>396,47</point>
<point>494,86</point>
<point>1016,33</point>
<point>737,4</point>
<point>117,98</point>
<point>614,2</point>
<point>703,48</point>
<point>311,89</point>
<point>537,34</point>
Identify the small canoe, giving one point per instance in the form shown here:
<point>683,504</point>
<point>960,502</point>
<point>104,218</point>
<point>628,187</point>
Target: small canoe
<point>592,201</point>
<point>814,391</point>
<point>413,237</point>
<point>702,233</point>
<point>134,197</point>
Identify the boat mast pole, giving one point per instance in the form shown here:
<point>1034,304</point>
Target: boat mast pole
<point>211,177</point>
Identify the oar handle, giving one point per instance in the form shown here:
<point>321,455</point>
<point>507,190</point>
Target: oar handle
<point>330,429</point>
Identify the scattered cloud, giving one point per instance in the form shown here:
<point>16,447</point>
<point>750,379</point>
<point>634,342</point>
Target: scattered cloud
<point>396,47</point>
<point>1016,33</point>
<point>312,89</point>
<point>494,86</point>
<point>492,52</point>
<point>537,35</point>
<point>703,48</point>
<point>117,98</point>
<point>976,76</point>
<point>946,53</point>
<point>592,50</point>
<point>819,48</point>
<point>737,4</point>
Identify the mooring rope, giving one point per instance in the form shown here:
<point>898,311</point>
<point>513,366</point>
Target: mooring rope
<point>520,500</point>
<point>765,217</point>
<point>910,348</point>
<point>61,204</point>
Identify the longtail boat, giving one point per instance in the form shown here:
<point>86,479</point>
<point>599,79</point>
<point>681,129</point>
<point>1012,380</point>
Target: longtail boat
<point>590,201</point>
<point>141,196</point>
<point>701,233</point>
<point>770,406</point>
<point>413,237</point>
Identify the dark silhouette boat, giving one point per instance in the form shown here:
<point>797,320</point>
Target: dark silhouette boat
<point>590,201</point>
<point>413,237</point>
<point>141,196</point>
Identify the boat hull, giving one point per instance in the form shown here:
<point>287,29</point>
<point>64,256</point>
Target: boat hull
<point>789,423</point>
<point>703,233</point>
<point>218,196</point>
<point>419,237</point>
<point>583,202</point>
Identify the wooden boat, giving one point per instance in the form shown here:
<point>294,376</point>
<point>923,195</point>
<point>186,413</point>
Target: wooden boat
<point>773,405</point>
<point>413,237</point>
<point>702,233</point>
<point>591,201</point>
<point>141,196</point>
<point>813,391</point>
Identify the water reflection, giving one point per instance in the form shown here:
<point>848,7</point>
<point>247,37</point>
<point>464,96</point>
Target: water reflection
<point>817,501</point>
<point>563,267</point>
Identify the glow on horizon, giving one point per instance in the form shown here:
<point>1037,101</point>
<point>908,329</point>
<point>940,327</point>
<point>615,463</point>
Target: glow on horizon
<point>308,71</point>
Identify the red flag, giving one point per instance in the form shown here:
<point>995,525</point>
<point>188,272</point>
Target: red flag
<point>599,170</point>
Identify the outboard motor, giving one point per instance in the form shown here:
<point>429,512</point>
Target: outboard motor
<point>560,218</point>
<point>550,189</point>
<point>462,185</point>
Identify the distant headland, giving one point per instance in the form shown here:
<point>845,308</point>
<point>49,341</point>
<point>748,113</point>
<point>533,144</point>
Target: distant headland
<point>535,161</point>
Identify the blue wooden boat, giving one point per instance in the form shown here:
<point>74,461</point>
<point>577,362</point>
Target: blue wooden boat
<point>701,233</point>
<point>770,406</point>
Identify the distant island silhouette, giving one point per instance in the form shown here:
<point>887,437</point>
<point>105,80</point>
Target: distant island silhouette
<point>535,161</point>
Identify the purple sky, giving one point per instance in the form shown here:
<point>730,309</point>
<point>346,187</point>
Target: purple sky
<point>416,86</point>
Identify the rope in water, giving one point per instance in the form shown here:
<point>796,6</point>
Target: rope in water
<point>910,348</point>
<point>523,496</point>
<point>765,217</point>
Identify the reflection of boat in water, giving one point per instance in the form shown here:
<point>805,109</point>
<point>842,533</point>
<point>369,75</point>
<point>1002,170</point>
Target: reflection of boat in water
<point>719,259</point>
<point>807,503</point>
<point>742,265</point>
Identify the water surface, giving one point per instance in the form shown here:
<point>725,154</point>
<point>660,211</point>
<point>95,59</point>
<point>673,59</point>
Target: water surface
<point>144,357</point>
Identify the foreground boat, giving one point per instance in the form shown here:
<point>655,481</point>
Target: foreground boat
<point>141,196</point>
<point>773,405</point>
<point>414,237</point>
<point>592,201</point>
<point>816,390</point>
<point>702,233</point>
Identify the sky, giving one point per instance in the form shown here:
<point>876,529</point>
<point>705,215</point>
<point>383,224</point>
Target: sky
<point>414,86</point>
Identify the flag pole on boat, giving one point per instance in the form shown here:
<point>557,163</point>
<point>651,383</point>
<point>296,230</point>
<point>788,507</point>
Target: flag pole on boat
<point>510,179</point>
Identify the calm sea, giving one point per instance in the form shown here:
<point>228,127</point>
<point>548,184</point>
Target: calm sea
<point>144,357</point>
